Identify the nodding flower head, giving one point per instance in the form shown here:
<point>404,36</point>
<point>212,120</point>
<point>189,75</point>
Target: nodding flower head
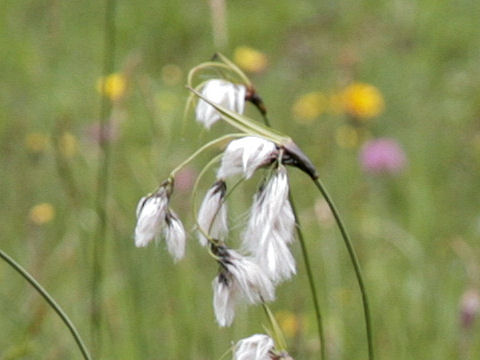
<point>255,347</point>
<point>258,347</point>
<point>239,277</point>
<point>271,228</point>
<point>151,211</point>
<point>245,155</point>
<point>174,235</point>
<point>153,216</point>
<point>221,92</point>
<point>212,216</point>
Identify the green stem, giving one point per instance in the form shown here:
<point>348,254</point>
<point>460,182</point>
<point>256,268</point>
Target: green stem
<point>202,149</point>
<point>311,282</point>
<point>356,264</point>
<point>102,182</point>
<point>53,304</point>
<point>306,260</point>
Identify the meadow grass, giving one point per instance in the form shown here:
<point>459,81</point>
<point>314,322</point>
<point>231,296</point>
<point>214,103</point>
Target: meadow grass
<point>416,233</point>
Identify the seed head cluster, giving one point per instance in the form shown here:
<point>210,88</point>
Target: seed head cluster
<point>250,273</point>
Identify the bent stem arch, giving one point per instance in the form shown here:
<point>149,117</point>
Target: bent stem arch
<point>354,259</point>
<point>48,298</point>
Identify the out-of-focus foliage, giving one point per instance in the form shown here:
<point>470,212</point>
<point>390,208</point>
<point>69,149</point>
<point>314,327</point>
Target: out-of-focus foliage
<point>412,71</point>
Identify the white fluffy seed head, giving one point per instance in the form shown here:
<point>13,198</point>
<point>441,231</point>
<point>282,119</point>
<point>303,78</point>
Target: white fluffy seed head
<point>239,279</point>
<point>174,236</point>
<point>224,93</point>
<point>225,296</point>
<point>245,155</point>
<point>151,211</point>
<point>212,216</point>
<point>254,285</point>
<point>271,228</point>
<point>255,347</point>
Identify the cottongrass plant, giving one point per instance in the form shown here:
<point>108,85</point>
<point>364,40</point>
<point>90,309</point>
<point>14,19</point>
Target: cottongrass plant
<point>251,273</point>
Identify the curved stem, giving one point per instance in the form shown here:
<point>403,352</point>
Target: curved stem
<point>311,282</point>
<point>202,149</point>
<point>306,261</point>
<point>53,304</point>
<point>356,264</point>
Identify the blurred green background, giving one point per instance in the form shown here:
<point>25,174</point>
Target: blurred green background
<point>416,230</point>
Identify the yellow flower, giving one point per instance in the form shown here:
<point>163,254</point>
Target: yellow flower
<point>67,144</point>
<point>36,142</point>
<point>309,107</point>
<point>347,137</point>
<point>250,59</point>
<point>112,86</point>
<point>363,100</point>
<point>171,74</point>
<point>42,213</point>
<point>289,322</point>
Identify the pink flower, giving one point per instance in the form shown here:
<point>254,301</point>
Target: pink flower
<point>110,133</point>
<point>383,156</point>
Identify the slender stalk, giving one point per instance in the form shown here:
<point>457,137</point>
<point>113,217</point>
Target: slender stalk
<point>102,183</point>
<point>306,260</point>
<point>202,149</point>
<point>48,298</point>
<point>311,282</point>
<point>356,264</point>
<point>276,330</point>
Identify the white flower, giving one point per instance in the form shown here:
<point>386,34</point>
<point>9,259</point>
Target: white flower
<point>174,235</point>
<point>255,286</point>
<point>271,228</point>
<point>221,92</point>
<point>212,216</point>
<point>151,211</point>
<point>255,347</point>
<point>239,278</point>
<point>245,155</point>
<point>225,296</point>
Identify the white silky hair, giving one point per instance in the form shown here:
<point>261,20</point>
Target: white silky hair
<point>239,279</point>
<point>175,236</point>
<point>221,92</point>
<point>225,296</point>
<point>245,155</point>
<point>255,286</point>
<point>212,216</point>
<point>271,228</point>
<point>151,211</point>
<point>255,347</point>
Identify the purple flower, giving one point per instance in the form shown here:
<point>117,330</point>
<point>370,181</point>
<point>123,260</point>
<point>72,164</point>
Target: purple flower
<point>469,308</point>
<point>383,156</point>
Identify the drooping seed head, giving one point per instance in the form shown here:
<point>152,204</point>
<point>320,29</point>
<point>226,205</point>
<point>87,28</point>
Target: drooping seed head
<point>271,228</point>
<point>221,92</point>
<point>239,278</point>
<point>212,216</point>
<point>245,155</point>
<point>151,211</point>
<point>255,347</point>
<point>174,235</point>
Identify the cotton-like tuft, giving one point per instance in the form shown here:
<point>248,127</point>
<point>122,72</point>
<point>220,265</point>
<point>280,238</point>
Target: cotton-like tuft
<point>245,155</point>
<point>151,211</point>
<point>221,92</point>
<point>212,216</point>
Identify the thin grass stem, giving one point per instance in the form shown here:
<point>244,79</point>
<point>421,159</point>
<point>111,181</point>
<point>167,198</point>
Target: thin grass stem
<point>49,299</point>
<point>306,261</point>
<point>356,264</point>
<point>311,282</point>
<point>102,182</point>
